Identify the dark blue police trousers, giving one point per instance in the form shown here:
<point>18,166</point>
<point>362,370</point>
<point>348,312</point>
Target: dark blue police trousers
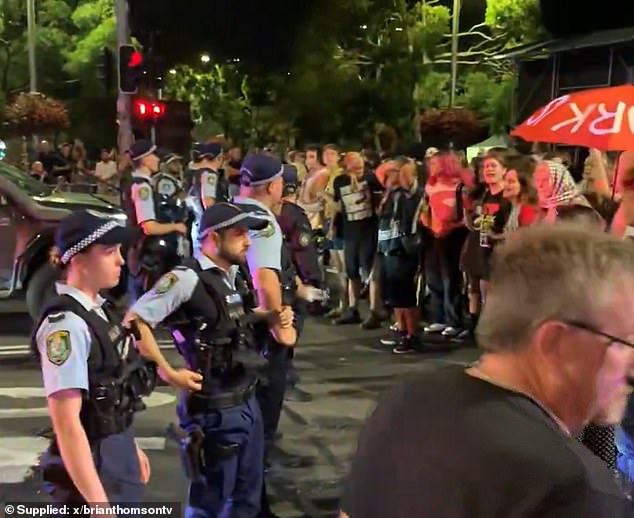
<point>232,487</point>
<point>117,465</point>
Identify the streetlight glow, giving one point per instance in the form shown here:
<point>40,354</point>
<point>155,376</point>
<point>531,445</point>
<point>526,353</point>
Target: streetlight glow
<point>399,29</point>
<point>205,58</point>
<point>364,27</point>
<point>173,71</point>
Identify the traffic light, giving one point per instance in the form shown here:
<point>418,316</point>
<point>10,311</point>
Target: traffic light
<point>149,110</point>
<point>130,68</point>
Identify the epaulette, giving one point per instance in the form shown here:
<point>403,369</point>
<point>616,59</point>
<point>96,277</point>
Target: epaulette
<point>56,317</point>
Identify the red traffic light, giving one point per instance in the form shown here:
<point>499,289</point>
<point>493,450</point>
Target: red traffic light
<point>136,59</point>
<point>146,109</point>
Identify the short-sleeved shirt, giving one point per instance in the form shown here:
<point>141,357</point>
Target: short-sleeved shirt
<point>478,451</point>
<point>494,211</point>
<point>174,289</point>
<point>64,341</point>
<point>143,198</point>
<point>266,245</point>
<point>209,183</point>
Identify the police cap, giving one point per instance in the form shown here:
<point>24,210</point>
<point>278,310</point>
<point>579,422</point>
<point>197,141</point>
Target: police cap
<point>210,150</point>
<point>290,179</point>
<point>85,228</point>
<point>141,149</point>
<point>168,158</point>
<point>225,215</point>
<point>259,169</point>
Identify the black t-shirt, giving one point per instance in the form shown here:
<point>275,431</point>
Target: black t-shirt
<point>448,445</point>
<point>494,211</point>
<point>357,206</point>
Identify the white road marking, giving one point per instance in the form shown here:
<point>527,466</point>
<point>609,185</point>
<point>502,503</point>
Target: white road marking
<point>151,443</point>
<point>155,399</point>
<point>17,457</point>
<point>25,349</point>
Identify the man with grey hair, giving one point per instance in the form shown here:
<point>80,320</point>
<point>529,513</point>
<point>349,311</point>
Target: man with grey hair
<point>496,438</point>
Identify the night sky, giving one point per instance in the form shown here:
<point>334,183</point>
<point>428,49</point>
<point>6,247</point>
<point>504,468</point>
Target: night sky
<point>263,33</point>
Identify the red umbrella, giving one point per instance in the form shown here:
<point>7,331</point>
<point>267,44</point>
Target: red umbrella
<point>601,118</point>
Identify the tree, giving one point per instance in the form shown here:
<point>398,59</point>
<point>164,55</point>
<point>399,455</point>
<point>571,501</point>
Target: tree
<point>519,20</point>
<point>94,27</point>
<point>218,96</point>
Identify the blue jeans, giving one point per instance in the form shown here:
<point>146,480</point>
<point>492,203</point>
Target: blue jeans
<point>444,279</point>
<point>230,487</point>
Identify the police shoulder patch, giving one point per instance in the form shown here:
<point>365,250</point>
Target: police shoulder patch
<point>58,347</point>
<point>56,317</point>
<point>267,231</point>
<point>304,239</point>
<point>144,193</point>
<point>165,283</point>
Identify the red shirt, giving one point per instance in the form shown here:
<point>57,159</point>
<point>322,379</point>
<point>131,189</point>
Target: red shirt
<point>528,215</point>
<point>442,202</point>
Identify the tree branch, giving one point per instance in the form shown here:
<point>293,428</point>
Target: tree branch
<point>460,62</point>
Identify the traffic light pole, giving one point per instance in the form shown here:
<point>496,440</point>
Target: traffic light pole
<point>124,101</point>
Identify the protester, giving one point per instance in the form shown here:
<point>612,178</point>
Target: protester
<point>399,249</point>
<point>498,441</point>
<point>519,190</point>
<point>355,192</point>
<point>558,195</point>
<point>442,259</point>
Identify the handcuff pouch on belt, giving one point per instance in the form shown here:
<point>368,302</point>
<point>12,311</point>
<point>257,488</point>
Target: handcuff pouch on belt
<point>109,406</point>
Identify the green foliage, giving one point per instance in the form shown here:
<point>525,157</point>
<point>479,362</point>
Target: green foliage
<point>431,24</point>
<point>433,90</point>
<point>95,29</point>
<point>520,20</point>
<point>218,96</point>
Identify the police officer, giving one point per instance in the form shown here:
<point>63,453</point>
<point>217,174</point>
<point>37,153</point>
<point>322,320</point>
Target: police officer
<point>205,183</point>
<point>298,240</point>
<point>171,198</point>
<point>297,231</point>
<point>273,277</point>
<point>155,248</point>
<point>93,376</point>
<point>210,308</point>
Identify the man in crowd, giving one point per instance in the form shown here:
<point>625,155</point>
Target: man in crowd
<point>105,171</point>
<point>500,440</point>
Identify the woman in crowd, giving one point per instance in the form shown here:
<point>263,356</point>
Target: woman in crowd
<point>491,213</point>
<point>399,248</point>
<point>442,259</point>
<point>471,268</point>
<point>558,195</point>
<point>519,190</point>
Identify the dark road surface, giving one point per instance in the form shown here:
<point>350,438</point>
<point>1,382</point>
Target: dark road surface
<point>344,369</point>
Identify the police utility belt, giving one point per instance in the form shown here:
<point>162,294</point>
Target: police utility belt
<point>219,350</point>
<point>118,378</point>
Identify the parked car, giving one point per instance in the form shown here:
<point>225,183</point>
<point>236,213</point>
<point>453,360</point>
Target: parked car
<point>29,214</point>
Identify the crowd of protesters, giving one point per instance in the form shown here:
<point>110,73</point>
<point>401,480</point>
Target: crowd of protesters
<point>417,236</point>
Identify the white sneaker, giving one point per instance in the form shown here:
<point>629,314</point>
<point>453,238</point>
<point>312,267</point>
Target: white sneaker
<point>435,328</point>
<point>450,332</point>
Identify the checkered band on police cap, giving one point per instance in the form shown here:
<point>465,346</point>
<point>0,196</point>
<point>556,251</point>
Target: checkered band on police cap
<point>88,240</point>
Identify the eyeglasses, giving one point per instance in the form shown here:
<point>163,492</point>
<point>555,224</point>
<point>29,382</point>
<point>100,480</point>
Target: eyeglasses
<point>591,329</point>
